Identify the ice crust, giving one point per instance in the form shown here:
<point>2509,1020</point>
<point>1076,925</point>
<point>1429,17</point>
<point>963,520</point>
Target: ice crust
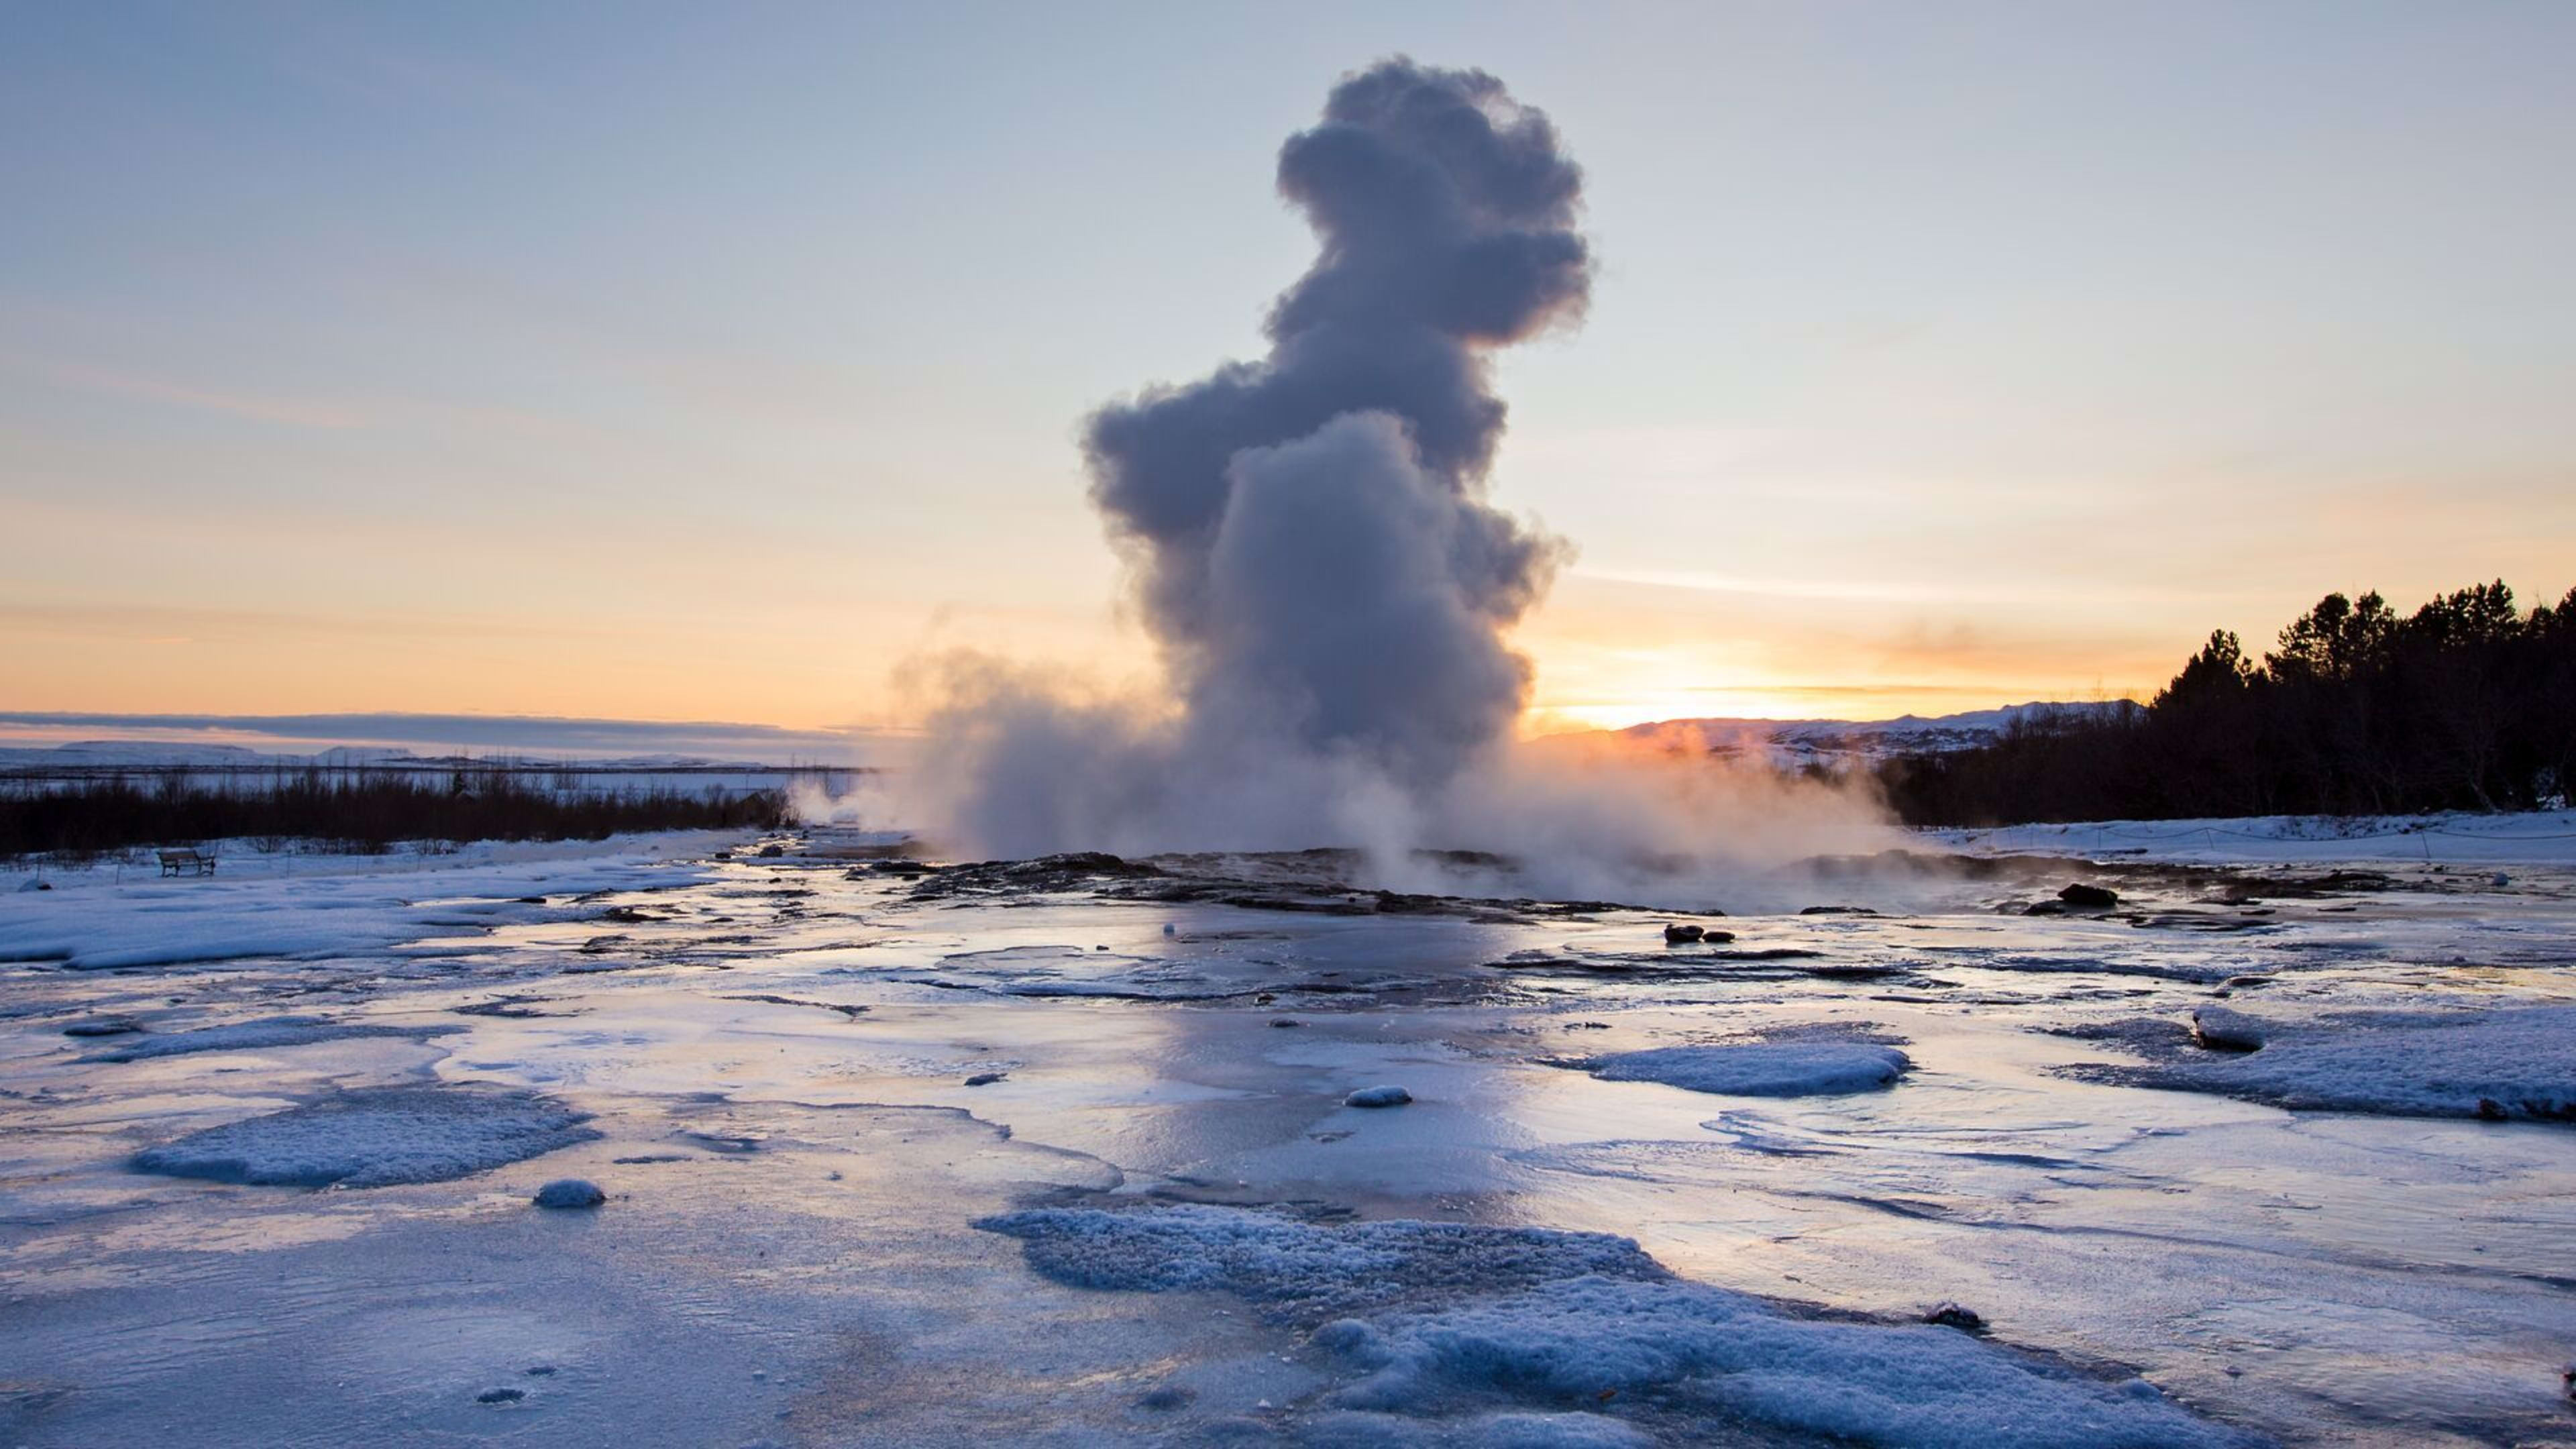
<point>1763,1068</point>
<point>275,1031</point>
<point>2522,1060</point>
<point>1438,1320</point>
<point>376,1138</point>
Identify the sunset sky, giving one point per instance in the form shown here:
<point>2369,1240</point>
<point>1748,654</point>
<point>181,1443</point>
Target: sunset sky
<point>709,363</point>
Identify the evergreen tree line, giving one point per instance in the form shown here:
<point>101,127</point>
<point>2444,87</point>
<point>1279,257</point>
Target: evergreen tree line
<point>366,812</point>
<point>2466,704</point>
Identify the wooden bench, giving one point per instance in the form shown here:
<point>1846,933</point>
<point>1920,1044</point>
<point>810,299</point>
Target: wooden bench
<point>187,860</point>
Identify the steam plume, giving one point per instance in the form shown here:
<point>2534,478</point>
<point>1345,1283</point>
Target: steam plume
<point>1310,533</point>
<point>1311,543</point>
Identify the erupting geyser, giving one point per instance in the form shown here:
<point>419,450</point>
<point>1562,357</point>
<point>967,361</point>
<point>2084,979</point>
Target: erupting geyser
<point>1330,589</point>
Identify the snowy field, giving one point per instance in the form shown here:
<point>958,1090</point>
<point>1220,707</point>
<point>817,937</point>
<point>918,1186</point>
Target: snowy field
<point>2276,1145</point>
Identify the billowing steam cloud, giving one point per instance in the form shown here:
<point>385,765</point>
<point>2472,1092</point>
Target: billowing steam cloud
<point>1309,533</point>
<point>1310,530</point>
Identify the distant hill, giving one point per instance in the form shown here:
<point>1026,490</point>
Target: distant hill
<point>160,754</point>
<point>1795,743</point>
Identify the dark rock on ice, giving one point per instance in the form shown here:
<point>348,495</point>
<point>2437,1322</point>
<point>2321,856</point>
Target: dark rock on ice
<point>500,1396</point>
<point>2089,897</point>
<point>570,1192</point>
<point>2220,1029</point>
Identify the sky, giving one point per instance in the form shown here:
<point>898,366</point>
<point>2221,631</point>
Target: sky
<point>683,362</point>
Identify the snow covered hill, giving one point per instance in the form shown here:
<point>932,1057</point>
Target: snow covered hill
<point>1794,743</point>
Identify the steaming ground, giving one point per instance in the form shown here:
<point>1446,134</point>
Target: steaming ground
<point>1641,1193</point>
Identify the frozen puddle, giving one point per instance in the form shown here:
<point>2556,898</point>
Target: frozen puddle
<point>376,1138</point>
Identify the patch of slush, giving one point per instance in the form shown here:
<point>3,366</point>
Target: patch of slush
<point>2518,1062</point>
<point>275,1031</point>
<point>376,1138</point>
<point>1434,1321</point>
<point>1800,1068</point>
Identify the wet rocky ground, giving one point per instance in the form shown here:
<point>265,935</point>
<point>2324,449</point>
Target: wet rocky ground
<point>900,1151</point>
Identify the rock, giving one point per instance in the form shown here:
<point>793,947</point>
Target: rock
<point>1378,1097</point>
<point>1683,935</point>
<point>772,852</point>
<point>2089,897</point>
<point>570,1192</point>
<point>2491,1110</point>
<point>103,1026</point>
<point>1958,1316</point>
<point>985,1079</point>
<point>1838,911</point>
<point>2220,1029</point>
<point>1165,1398</point>
<point>500,1396</point>
<point>2045,908</point>
<point>542,1370</point>
<point>1282,1021</point>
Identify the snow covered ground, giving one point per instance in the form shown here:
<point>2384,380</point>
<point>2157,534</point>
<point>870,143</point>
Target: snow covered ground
<point>1071,1157</point>
<point>2546,837</point>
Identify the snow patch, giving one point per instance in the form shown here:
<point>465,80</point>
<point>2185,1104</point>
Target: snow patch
<point>375,1138</point>
<point>2518,1062</point>
<point>275,1031</point>
<point>1711,1353</point>
<point>1762,1068</point>
<point>1439,1324</point>
<point>1271,1259</point>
